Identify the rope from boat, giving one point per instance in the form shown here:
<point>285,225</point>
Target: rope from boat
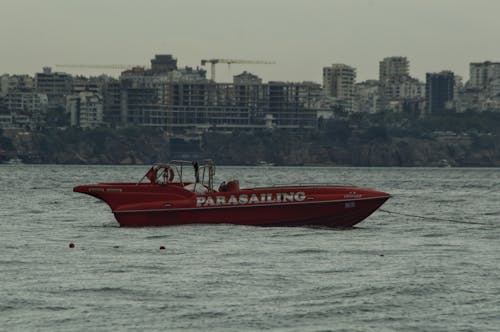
<point>433,218</point>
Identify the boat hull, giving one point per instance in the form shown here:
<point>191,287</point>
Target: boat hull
<point>145,205</point>
<point>343,213</point>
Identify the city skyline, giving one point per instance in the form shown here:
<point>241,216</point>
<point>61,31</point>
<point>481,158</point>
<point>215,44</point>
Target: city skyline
<point>301,37</point>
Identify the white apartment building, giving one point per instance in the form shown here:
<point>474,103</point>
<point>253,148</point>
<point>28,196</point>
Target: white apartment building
<point>30,103</point>
<point>482,73</point>
<point>86,109</point>
<point>394,68</point>
<point>406,89</point>
<point>397,89</point>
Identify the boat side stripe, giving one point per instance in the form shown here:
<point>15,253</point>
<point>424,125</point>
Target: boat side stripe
<point>252,206</point>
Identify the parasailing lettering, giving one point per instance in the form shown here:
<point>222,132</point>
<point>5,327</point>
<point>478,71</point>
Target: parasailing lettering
<point>245,199</point>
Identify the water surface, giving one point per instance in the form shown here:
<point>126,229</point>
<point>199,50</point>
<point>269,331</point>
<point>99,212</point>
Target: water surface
<point>391,273</point>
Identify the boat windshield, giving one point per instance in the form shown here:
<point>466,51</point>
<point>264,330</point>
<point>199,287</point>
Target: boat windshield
<point>175,171</point>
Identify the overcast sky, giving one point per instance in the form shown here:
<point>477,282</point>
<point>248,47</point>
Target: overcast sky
<point>302,36</point>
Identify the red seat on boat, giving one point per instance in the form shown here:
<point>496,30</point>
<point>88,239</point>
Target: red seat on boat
<point>233,185</point>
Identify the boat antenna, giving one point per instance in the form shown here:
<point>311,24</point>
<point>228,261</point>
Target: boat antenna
<point>196,171</point>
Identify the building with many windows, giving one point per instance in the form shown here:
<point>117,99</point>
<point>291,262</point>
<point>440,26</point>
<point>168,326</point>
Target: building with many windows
<point>439,89</point>
<point>483,73</point>
<point>53,84</point>
<point>184,99</point>
<point>29,103</point>
<point>20,105</point>
<point>338,83</point>
<point>395,68</point>
<point>398,91</point>
<point>482,91</point>
<point>86,109</point>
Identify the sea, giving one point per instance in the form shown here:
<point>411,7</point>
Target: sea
<point>428,260</point>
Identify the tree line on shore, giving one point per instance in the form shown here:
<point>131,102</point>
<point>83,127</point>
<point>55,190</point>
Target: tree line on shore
<point>381,139</point>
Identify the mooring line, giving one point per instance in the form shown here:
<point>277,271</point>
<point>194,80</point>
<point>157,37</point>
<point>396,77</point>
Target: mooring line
<point>433,218</point>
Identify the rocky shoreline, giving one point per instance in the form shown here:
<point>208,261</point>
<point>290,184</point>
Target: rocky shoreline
<point>138,146</point>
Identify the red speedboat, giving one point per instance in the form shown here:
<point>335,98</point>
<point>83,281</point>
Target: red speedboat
<point>166,199</point>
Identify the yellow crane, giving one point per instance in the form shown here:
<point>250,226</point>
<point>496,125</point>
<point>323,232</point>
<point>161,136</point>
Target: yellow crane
<point>112,66</point>
<point>213,62</point>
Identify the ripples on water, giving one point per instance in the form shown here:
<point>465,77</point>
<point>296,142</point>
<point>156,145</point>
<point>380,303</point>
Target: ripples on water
<point>391,273</point>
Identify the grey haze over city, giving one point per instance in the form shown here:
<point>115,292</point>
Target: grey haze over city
<point>301,36</point>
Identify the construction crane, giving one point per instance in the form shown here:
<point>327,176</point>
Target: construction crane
<point>213,62</point>
<point>115,67</point>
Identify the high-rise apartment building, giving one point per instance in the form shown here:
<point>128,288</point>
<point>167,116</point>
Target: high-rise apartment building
<point>482,73</point>
<point>395,68</point>
<point>55,85</point>
<point>338,83</point>
<point>439,89</point>
<point>397,89</point>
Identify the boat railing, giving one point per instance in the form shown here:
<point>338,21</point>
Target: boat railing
<point>206,168</point>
